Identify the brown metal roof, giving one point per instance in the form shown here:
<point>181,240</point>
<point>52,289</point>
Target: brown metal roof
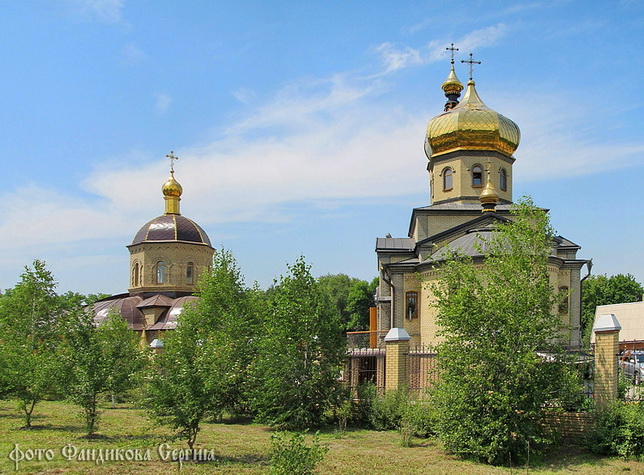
<point>171,227</point>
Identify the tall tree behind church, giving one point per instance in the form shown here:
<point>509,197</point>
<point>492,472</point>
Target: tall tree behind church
<point>350,298</point>
<point>604,290</point>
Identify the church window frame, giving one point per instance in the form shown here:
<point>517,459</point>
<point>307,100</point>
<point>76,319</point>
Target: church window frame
<point>448,179</point>
<point>564,302</point>
<point>411,304</point>
<point>136,272</point>
<point>161,272</point>
<point>503,179</point>
<point>477,176</point>
<point>190,273</point>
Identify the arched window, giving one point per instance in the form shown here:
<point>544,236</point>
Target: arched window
<point>411,301</point>
<point>448,179</point>
<point>135,275</point>
<point>503,181</point>
<point>190,273</point>
<point>136,278</point>
<point>162,273</point>
<point>564,296</point>
<point>477,176</point>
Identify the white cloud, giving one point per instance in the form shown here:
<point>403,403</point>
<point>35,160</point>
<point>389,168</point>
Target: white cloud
<point>163,102</point>
<point>419,26</point>
<point>35,213</point>
<point>132,54</point>
<point>244,95</point>
<point>558,141</point>
<point>108,11</point>
<point>316,141</point>
<point>396,57</point>
<point>481,38</point>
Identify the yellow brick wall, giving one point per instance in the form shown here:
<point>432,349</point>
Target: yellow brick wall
<point>396,364</point>
<point>606,355</point>
<point>462,177</point>
<point>176,256</point>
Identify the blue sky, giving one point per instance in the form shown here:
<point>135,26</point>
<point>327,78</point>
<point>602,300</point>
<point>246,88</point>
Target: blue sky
<point>300,125</point>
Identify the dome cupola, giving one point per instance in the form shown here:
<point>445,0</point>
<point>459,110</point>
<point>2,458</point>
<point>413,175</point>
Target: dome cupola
<point>452,87</point>
<point>170,251</point>
<point>471,125</point>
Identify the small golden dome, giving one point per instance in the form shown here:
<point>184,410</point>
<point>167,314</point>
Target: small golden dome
<point>471,125</point>
<point>489,195</point>
<point>172,187</point>
<point>452,85</point>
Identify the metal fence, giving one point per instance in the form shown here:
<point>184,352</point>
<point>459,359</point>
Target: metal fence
<point>366,339</point>
<point>365,366</point>
<point>422,370</point>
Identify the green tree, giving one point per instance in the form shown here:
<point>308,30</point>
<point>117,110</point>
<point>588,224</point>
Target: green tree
<point>204,367</point>
<point>361,298</point>
<point>229,312</point>
<point>350,298</point>
<point>495,318</point>
<point>604,290</point>
<point>120,348</point>
<point>29,338</point>
<point>71,300</point>
<point>301,351</point>
<point>98,360</point>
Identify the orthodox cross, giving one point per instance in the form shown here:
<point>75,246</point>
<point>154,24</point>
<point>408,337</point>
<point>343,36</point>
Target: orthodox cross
<point>471,63</point>
<point>172,158</point>
<point>452,49</point>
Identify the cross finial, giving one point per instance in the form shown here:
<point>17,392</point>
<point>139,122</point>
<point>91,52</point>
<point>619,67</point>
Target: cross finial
<point>471,63</point>
<point>452,49</point>
<point>172,158</point>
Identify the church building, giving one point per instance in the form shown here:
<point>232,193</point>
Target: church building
<point>470,150</point>
<point>167,255</point>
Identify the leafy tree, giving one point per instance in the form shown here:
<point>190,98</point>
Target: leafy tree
<point>71,300</point>
<point>120,348</point>
<point>229,312</point>
<point>29,336</point>
<point>301,351</point>
<point>204,367</point>
<point>361,298</point>
<point>98,360</point>
<point>604,290</point>
<point>350,298</point>
<point>495,317</point>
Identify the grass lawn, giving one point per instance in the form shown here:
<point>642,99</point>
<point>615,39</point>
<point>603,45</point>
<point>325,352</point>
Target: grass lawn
<point>244,448</point>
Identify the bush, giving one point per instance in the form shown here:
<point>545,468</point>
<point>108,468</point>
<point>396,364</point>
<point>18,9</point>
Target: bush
<point>290,454</point>
<point>395,410</point>
<point>618,430</point>
<point>623,384</point>
<point>387,410</point>
<point>419,419</point>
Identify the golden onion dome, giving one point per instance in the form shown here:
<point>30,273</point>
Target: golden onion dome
<point>452,85</point>
<point>471,125</point>
<point>172,187</point>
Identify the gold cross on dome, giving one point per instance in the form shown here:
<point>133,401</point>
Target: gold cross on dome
<point>471,63</point>
<point>172,158</point>
<point>452,49</point>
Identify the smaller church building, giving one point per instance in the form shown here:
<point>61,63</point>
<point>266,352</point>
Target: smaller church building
<point>167,255</point>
